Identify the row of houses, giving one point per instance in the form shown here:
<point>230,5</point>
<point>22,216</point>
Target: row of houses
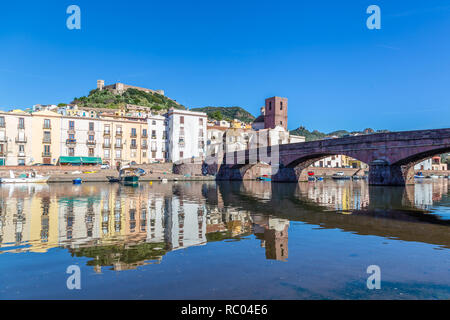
<point>52,137</point>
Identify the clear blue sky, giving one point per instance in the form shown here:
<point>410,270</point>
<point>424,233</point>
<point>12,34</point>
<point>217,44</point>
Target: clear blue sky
<point>336,73</point>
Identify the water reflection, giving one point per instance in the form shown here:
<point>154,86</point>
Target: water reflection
<point>123,227</point>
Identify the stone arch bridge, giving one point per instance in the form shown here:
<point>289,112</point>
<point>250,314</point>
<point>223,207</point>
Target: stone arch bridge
<point>391,156</point>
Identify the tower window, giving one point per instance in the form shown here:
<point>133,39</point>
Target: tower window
<point>281,105</point>
<point>270,105</point>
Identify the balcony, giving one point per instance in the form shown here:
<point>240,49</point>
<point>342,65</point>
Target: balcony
<point>20,126</point>
<point>181,143</point>
<point>71,141</point>
<point>118,146</point>
<point>133,135</point>
<point>46,140</point>
<point>106,145</point>
<point>2,153</point>
<point>144,135</point>
<point>153,136</point>
<point>21,154</point>
<point>21,140</point>
<point>133,146</point>
<point>91,132</point>
<point>46,154</point>
<point>91,142</point>
<point>144,146</point>
<point>71,131</point>
<point>106,133</point>
<point>119,133</point>
<point>49,127</point>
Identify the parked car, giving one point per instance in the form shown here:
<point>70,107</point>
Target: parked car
<point>105,166</point>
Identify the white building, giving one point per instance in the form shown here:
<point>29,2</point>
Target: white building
<point>81,137</point>
<point>157,137</point>
<point>15,138</point>
<point>424,165</point>
<point>329,162</point>
<point>186,134</point>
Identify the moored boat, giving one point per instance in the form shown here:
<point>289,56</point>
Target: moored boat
<point>31,177</point>
<point>340,176</point>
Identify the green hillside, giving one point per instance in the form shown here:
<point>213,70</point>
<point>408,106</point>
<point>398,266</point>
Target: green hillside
<point>107,99</point>
<point>227,113</point>
<point>317,135</point>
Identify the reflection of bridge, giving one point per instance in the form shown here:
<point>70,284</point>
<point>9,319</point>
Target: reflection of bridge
<point>390,213</point>
<point>391,156</point>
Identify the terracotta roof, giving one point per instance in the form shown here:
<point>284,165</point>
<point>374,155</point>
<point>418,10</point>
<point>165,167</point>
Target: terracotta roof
<point>259,119</point>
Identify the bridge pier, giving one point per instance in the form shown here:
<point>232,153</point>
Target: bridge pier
<point>382,173</point>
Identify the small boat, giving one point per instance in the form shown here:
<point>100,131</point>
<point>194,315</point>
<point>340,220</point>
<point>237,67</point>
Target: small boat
<point>264,178</point>
<point>31,177</point>
<point>419,175</point>
<point>112,179</point>
<point>433,176</point>
<point>319,178</point>
<point>77,181</point>
<point>340,176</point>
<point>128,176</point>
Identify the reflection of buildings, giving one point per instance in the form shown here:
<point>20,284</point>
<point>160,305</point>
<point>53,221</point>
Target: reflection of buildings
<point>124,227</point>
<point>338,195</point>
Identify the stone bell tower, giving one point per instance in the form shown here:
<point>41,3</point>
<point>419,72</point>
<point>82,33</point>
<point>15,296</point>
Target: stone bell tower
<point>275,113</point>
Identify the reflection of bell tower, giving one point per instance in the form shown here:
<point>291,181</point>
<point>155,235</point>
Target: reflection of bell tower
<point>276,243</point>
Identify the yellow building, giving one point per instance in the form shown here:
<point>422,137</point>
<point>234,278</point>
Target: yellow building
<point>46,137</point>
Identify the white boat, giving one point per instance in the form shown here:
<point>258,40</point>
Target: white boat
<point>31,177</point>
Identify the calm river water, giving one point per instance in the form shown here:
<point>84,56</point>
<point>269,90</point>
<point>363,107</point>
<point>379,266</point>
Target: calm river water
<point>248,240</point>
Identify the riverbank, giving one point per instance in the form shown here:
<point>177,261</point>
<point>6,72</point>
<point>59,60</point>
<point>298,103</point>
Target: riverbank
<point>155,172</point>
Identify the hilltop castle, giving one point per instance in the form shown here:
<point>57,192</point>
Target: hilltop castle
<point>119,88</point>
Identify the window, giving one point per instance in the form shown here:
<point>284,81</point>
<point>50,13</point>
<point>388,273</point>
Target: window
<point>71,152</point>
<point>154,146</point>
<point>21,148</point>
<point>71,125</point>
<point>153,154</point>
<point>182,119</point>
<point>164,135</point>
<point>91,126</point>
<point>21,162</point>
<point>106,153</point>
<point>154,122</point>
<point>47,124</point>
<point>153,134</point>
<point>47,149</point>
<point>2,122</point>
<point>91,152</point>
<point>91,138</point>
<point>71,136</point>
<point>181,154</point>
<point>118,142</point>
<point>118,154</point>
<point>281,105</point>
<point>200,121</point>
<point>144,132</point>
<point>133,132</point>
<point>21,123</point>
<point>107,129</point>
<point>270,105</point>
<point>47,136</point>
<point>133,142</point>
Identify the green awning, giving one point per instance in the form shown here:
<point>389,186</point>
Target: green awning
<point>91,160</point>
<point>80,160</point>
<point>69,159</point>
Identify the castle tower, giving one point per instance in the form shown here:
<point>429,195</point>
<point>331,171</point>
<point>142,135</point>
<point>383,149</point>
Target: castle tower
<point>275,113</point>
<point>100,84</point>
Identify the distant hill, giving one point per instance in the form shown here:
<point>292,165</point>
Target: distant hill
<point>317,135</point>
<point>107,99</point>
<point>227,113</point>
